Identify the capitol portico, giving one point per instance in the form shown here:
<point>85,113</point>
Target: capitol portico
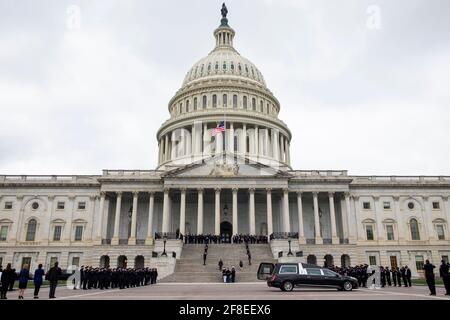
<point>237,180</point>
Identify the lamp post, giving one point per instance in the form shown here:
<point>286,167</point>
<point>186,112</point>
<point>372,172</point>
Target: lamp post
<point>164,251</point>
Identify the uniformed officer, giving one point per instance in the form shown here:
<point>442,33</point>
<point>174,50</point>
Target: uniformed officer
<point>444,273</point>
<point>429,276</point>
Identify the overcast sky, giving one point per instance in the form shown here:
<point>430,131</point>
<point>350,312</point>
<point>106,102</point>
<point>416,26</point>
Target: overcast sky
<point>363,85</point>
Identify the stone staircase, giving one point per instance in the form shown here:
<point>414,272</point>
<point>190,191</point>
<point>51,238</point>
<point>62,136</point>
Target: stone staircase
<point>190,269</point>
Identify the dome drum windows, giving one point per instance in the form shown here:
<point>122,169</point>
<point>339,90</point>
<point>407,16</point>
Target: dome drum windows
<point>244,102</point>
<point>225,100</point>
<point>214,101</point>
<point>235,98</point>
<point>253,104</point>
<point>204,102</point>
<point>195,104</point>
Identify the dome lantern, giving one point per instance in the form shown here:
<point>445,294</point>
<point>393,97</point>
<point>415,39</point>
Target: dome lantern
<point>224,34</point>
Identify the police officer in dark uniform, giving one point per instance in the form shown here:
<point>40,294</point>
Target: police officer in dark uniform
<point>444,273</point>
<point>429,276</point>
<point>388,276</point>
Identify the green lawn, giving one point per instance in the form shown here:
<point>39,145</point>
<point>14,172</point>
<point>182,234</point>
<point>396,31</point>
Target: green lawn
<point>45,284</point>
<point>423,282</point>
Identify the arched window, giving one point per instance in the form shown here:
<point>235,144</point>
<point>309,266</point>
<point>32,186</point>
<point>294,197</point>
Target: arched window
<point>235,101</point>
<point>254,104</point>
<point>195,104</point>
<point>261,106</point>
<point>214,101</point>
<point>204,102</point>
<point>414,226</point>
<point>31,230</point>
<point>244,103</point>
<point>225,100</point>
<point>187,105</point>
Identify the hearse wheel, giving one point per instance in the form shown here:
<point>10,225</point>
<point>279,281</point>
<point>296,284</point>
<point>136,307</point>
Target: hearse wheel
<point>287,286</point>
<point>347,286</point>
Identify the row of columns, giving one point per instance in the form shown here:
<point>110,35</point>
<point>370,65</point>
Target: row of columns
<point>200,213</point>
<point>252,216</point>
<point>279,142</point>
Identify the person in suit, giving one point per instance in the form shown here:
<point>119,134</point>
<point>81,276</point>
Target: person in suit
<point>399,277</point>
<point>204,258</point>
<point>388,276</point>
<point>444,274</point>
<point>37,279</point>
<point>24,276</point>
<point>53,276</point>
<point>12,279</point>
<point>429,276</point>
<point>5,281</point>
<point>233,274</point>
<point>408,275</point>
<point>220,264</point>
<point>394,276</point>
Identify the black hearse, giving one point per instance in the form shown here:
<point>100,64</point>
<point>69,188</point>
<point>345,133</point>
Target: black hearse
<point>286,276</point>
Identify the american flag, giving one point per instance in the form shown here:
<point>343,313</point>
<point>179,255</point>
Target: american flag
<point>220,128</point>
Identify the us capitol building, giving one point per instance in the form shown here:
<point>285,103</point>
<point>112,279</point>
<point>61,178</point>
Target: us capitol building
<point>224,168</point>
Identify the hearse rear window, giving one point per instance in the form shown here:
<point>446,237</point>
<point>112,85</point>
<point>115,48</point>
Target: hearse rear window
<point>288,269</point>
<point>313,271</point>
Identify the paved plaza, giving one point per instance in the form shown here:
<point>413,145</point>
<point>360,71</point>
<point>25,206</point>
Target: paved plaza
<point>236,291</point>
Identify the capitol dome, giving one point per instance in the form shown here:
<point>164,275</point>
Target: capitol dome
<point>224,61</point>
<point>223,91</point>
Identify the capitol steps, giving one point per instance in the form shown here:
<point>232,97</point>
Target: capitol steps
<point>190,269</point>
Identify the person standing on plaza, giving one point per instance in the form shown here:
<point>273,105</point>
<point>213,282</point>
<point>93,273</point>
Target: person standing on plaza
<point>37,279</point>
<point>204,258</point>
<point>53,276</point>
<point>388,276</point>
<point>24,276</point>
<point>233,274</point>
<point>444,273</point>
<point>429,276</point>
<point>220,264</point>
<point>408,275</point>
<point>5,281</point>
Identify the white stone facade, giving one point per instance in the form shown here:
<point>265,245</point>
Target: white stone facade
<point>240,178</point>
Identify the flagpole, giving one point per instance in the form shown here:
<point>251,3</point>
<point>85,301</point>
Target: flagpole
<point>225,132</point>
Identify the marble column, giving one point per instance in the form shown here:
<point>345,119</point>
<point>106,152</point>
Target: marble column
<point>348,210</point>
<point>301,230</point>
<point>49,215</point>
<point>101,215</point>
<point>244,138</point>
<point>445,201</point>
<point>377,205</point>
<point>275,147</point>
<point>428,219</point>
<point>269,212</point>
<point>251,222</point>
<point>334,237</point>
<point>165,218</point>
<point>173,144</point>
<point>183,211</point>
<point>231,138</point>
<point>115,239</point>
<point>256,144</point>
<point>166,148</point>
<point>286,220</point>
<point>399,218</point>
<point>217,213</point>
<point>200,212</point>
<point>235,212</point>
<point>132,239</point>
<point>193,142</point>
<point>151,207</point>
<point>318,236</point>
